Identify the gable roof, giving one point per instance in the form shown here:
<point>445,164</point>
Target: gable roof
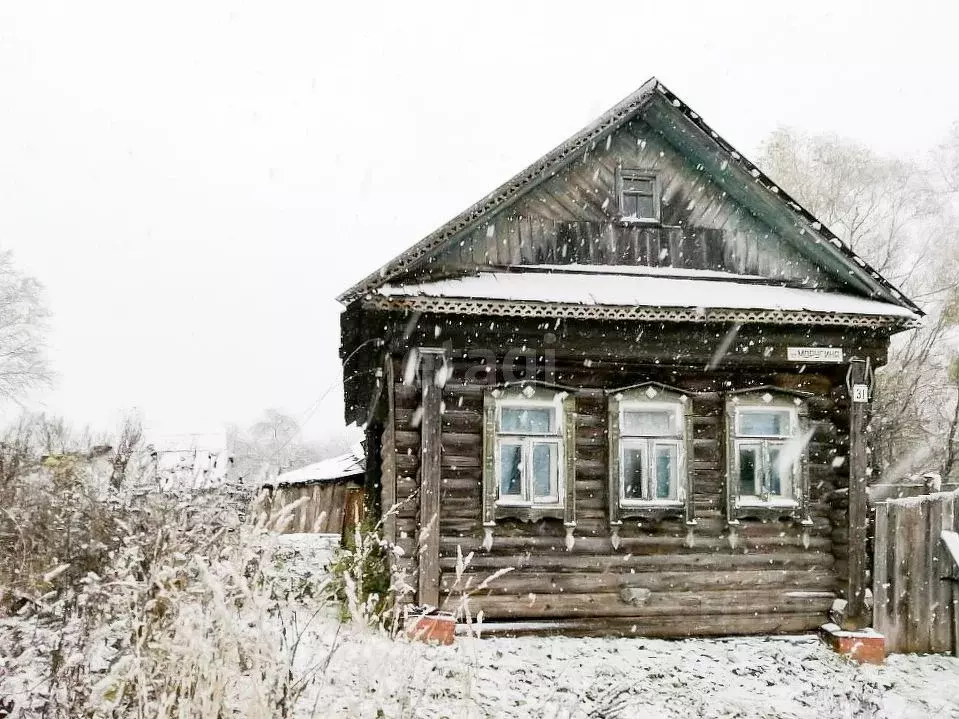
<point>822,245</point>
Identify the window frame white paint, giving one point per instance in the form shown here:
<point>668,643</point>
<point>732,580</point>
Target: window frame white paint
<point>793,500</point>
<point>649,397</point>
<point>527,440</point>
<point>649,442</point>
<point>762,467</point>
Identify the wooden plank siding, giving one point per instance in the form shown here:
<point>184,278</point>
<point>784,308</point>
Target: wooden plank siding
<point>574,218</point>
<point>778,572</point>
<point>321,507</point>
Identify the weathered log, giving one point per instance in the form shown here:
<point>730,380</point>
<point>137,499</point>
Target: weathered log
<point>659,604</point>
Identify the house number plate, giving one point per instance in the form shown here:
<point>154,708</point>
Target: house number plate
<point>814,354</point>
<point>860,393</point>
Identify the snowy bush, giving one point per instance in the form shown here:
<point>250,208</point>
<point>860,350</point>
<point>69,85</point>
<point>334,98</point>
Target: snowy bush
<point>360,579</point>
<point>115,603</point>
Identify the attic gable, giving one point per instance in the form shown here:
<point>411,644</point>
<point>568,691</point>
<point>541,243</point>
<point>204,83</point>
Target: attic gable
<point>576,217</point>
<point>757,217</point>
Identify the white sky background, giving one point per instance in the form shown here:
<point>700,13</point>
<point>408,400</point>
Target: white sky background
<point>195,182</point>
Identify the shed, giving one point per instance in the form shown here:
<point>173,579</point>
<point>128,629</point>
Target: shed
<point>626,375</point>
<point>331,491</point>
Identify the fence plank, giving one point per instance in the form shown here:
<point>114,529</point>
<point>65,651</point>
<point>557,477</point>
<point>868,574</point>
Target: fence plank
<point>880,572</point>
<point>940,624</point>
<point>920,546</point>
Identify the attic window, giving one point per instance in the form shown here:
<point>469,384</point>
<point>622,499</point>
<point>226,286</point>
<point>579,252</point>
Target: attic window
<point>639,196</point>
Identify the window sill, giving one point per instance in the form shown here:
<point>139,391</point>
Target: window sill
<point>651,503</point>
<point>630,221</point>
<point>748,502</point>
<point>765,511</point>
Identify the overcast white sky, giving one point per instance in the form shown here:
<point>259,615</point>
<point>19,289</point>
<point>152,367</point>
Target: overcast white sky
<point>194,182</point>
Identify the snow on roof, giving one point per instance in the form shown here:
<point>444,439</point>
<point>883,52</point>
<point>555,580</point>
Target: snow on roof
<point>346,465</point>
<point>602,288</point>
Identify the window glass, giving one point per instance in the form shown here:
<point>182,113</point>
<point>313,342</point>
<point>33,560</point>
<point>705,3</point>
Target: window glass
<point>775,480</point>
<point>511,470</point>
<point>633,468</point>
<point>526,419</point>
<point>748,469</point>
<point>544,470</point>
<point>643,422</point>
<point>639,206</point>
<point>772,423</point>
<point>639,186</point>
<point>665,468</point>
<point>644,207</point>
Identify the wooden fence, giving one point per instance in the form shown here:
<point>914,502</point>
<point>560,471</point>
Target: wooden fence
<point>914,593</point>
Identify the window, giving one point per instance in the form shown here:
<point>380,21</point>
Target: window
<point>528,450</point>
<point>766,463</point>
<point>762,436</point>
<point>648,450</point>
<point>638,196</point>
<point>528,446</point>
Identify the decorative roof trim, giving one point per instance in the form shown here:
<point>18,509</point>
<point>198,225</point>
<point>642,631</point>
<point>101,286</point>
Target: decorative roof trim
<point>512,308</point>
<point>550,163</point>
<point>830,240</point>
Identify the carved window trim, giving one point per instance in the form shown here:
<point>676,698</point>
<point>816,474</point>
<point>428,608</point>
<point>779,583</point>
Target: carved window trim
<point>763,506</point>
<point>494,507</point>
<point>653,396</point>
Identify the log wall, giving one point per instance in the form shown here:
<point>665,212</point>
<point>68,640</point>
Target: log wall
<point>768,576</point>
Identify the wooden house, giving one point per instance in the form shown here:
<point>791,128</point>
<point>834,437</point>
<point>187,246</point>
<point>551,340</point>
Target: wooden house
<point>637,374</point>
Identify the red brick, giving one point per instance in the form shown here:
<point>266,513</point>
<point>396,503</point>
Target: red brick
<point>435,628</point>
<point>866,646</point>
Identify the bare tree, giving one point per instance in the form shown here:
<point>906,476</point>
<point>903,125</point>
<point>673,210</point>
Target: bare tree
<point>946,159</point>
<point>897,215</point>
<point>952,436</point>
<point>271,445</point>
<point>23,363</point>
<point>129,442</point>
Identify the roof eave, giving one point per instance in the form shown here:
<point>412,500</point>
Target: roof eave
<point>697,315</point>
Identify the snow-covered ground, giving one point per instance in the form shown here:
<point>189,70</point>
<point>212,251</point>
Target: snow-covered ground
<point>566,677</point>
<point>558,677</point>
<point>341,670</point>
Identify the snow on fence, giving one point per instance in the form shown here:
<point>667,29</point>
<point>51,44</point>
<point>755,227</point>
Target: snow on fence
<point>916,596</point>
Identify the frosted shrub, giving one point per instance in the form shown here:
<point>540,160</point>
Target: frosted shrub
<point>116,605</point>
<point>360,579</point>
